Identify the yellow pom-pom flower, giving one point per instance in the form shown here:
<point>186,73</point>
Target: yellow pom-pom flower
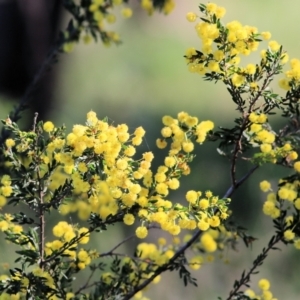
<point>274,46</point>
<point>191,17</point>
<point>297,166</point>
<point>48,126</point>
<point>128,219</point>
<point>126,12</point>
<point>10,143</point>
<point>195,262</point>
<point>264,284</point>
<point>266,35</point>
<point>265,186</point>
<point>141,232</point>
<point>191,196</point>
<point>289,235</point>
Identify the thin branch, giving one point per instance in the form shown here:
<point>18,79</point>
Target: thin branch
<point>238,144</point>
<point>28,95</point>
<point>110,252</point>
<point>190,242</point>
<point>65,247</point>
<point>165,267</point>
<point>41,217</point>
<point>87,284</point>
<point>231,190</point>
<point>257,262</point>
<point>118,245</point>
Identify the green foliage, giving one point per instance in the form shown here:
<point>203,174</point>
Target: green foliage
<point>94,172</point>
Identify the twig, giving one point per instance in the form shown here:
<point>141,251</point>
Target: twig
<point>118,245</point>
<point>110,252</point>
<point>41,222</point>
<point>238,144</point>
<point>257,262</point>
<point>182,249</point>
<point>165,267</point>
<point>87,284</point>
<point>231,190</point>
<point>35,121</point>
<point>27,97</point>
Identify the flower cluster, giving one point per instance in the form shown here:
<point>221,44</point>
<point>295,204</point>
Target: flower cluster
<point>223,46</point>
<point>265,293</point>
<point>182,131</point>
<point>292,76</point>
<point>278,205</point>
<point>92,16</point>
<point>5,189</point>
<point>261,134</point>
<point>93,171</point>
<point>212,242</point>
<point>15,231</point>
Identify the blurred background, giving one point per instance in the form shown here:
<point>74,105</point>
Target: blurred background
<point>145,78</point>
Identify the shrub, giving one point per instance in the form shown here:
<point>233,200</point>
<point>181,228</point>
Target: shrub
<point>94,171</point>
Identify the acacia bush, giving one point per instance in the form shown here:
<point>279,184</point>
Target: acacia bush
<point>95,172</point>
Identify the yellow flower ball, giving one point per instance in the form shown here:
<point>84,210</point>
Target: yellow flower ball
<point>284,58</point>
<point>6,191</point>
<point>297,203</point>
<point>166,132</point>
<point>129,151</point>
<point>195,262</point>
<point>191,17</point>
<point>48,126</point>
<point>173,184</point>
<point>250,293</point>
<point>10,143</point>
<point>297,166</point>
<point>297,244</point>
<point>128,219</point>
<point>253,117</point>
<point>110,18</point>
<point>203,203</point>
<point>265,186</point>
<point>274,46</point>
<point>251,69</point>
<point>266,35</point>
<point>211,7</point>
<point>220,12</point>
<point>161,143</point>
<point>289,235</point>
<point>284,84</point>
<point>264,284</point>
<point>214,221</point>
<point>170,161</point>
<point>262,118</point>
<point>2,201</point>
<point>191,196</point>
<point>126,12</point>
<point>265,148</point>
<point>187,147</point>
<point>208,243</point>
<point>202,225</point>
<point>238,80</point>
<point>141,232</point>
